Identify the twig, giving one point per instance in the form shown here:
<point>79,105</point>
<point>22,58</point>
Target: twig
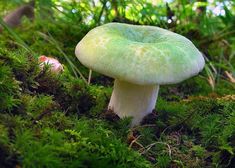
<point>89,77</point>
<point>135,141</point>
<point>230,76</point>
<point>148,147</point>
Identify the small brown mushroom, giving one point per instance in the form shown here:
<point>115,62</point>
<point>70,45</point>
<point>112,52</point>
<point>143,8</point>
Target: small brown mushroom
<point>13,19</point>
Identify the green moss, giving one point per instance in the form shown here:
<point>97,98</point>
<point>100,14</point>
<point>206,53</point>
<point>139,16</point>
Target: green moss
<point>101,96</point>
<point>9,89</point>
<point>79,146</point>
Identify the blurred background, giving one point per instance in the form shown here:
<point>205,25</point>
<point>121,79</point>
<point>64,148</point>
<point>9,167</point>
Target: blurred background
<point>210,24</point>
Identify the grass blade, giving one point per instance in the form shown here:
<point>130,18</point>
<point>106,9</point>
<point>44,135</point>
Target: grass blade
<point>51,40</point>
<point>17,38</point>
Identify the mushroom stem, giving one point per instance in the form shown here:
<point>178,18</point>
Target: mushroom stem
<point>133,100</point>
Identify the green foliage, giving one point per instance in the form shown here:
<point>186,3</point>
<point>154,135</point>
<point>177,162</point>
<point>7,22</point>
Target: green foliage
<point>4,135</point>
<point>199,151</point>
<point>9,86</point>
<point>33,151</point>
<point>101,96</point>
<point>34,106</point>
<point>171,113</point>
<point>214,124</point>
<point>82,146</point>
<point>41,139</point>
<point>163,161</point>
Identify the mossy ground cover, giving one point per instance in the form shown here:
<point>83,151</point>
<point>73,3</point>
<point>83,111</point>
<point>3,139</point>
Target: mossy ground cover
<point>49,120</point>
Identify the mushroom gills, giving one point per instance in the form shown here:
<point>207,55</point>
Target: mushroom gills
<point>132,100</point>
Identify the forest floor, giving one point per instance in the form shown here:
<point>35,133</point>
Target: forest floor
<point>57,120</point>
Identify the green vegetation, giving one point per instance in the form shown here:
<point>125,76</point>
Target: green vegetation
<point>50,120</point>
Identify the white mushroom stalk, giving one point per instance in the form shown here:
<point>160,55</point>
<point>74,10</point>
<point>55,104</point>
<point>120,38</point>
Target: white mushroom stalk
<point>133,100</point>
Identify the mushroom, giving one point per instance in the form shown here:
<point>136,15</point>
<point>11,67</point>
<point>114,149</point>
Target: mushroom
<point>140,58</point>
<point>13,19</point>
<point>55,66</point>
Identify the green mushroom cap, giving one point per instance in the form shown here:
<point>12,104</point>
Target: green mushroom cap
<point>143,55</point>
